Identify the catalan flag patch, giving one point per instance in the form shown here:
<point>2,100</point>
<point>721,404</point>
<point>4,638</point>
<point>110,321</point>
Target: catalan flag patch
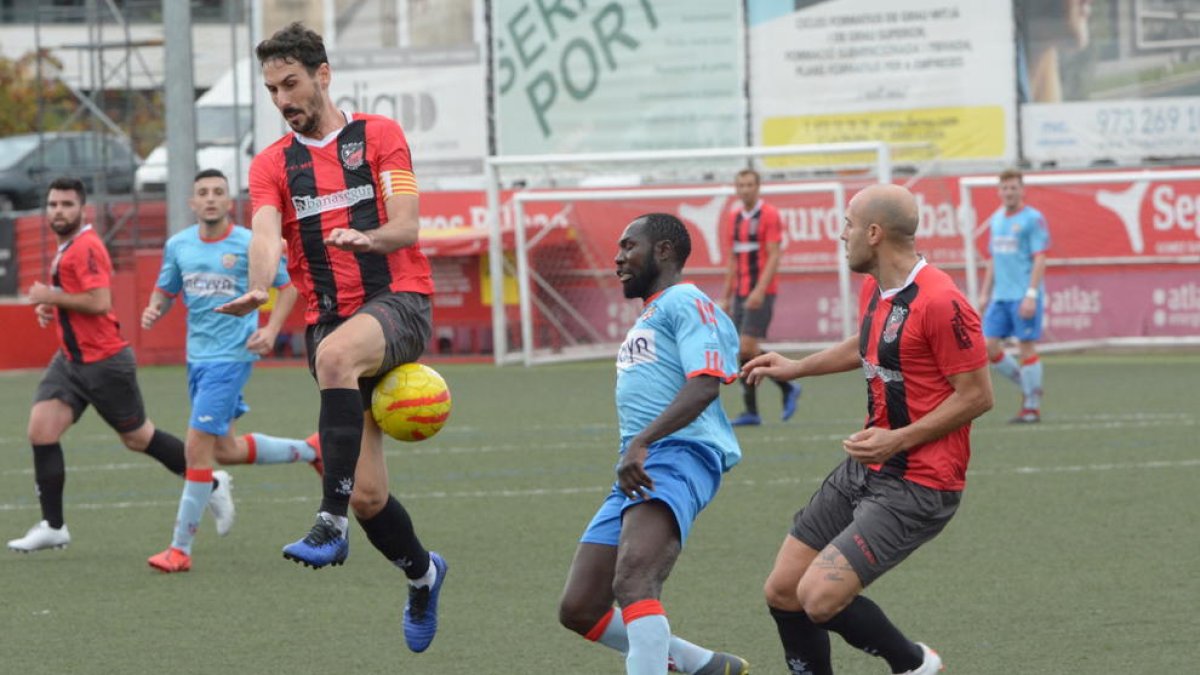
<point>397,182</point>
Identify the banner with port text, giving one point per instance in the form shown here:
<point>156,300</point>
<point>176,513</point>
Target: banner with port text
<point>933,72</point>
<point>1108,80</point>
<point>617,75</point>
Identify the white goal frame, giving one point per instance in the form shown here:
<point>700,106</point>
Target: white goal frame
<point>530,356</point>
<point>495,164</point>
<point>971,227</point>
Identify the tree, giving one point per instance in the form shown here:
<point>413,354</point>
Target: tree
<point>19,95</point>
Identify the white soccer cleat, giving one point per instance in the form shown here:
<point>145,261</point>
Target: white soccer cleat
<point>41,537</point>
<point>220,503</point>
<point>932,665</point>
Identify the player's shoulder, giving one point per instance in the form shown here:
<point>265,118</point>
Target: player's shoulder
<point>272,155</point>
<point>937,286</point>
<point>1033,215</point>
<point>87,240</point>
<point>769,210</point>
<point>380,123</point>
<point>685,293</point>
<point>186,235</point>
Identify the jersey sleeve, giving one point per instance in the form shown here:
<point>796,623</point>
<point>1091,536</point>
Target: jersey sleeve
<point>1038,233</point>
<point>392,159</point>
<point>266,189</point>
<point>170,279</point>
<point>953,331</point>
<point>282,279</point>
<point>705,337</point>
<point>772,226</point>
<point>91,268</point>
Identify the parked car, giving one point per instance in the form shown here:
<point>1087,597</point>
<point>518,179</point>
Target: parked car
<point>29,162</point>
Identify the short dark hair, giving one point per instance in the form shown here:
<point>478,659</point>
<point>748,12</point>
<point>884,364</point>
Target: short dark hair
<point>1009,174</point>
<point>749,172</point>
<point>666,227</point>
<point>68,183</point>
<point>210,173</point>
<point>296,43</point>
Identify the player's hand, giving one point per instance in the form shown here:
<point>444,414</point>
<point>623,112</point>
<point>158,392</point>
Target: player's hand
<point>45,314</point>
<point>150,316</point>
<point>873,445</point>
<point>772,364</point>
<point>247,303</point>
<point>40,293</point>
<point>755,300</point>
<point>262,341</point>
<point>632,478</point>
<point>1027,308</point>
<point>349,240</point>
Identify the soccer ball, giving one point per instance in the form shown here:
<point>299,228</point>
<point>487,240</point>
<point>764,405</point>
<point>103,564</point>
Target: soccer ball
<point>411,402</point>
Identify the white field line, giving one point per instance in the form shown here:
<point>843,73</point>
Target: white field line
<point>599,489</point>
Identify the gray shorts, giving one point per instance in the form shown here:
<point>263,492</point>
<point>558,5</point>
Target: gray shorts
<point>873,519</point>
<point>407,322</point>
<point>109,384</point>
<point>753,322</point>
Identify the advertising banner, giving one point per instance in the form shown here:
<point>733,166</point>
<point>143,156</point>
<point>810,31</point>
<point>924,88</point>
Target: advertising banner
<point>617,75</point>
<point>1108,79</point>
<point>933,72</point>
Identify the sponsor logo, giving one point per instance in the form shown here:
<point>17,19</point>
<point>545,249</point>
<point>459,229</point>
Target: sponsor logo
<point>204,419</point>
<point>345,486</point>
<point>297,168</point>
<point>958,324</point>
<point>866,549</point>
<point>872,371</point>
<point>638,348</point>
<point>306,206</point>
<point>894,321</point>
<point>1127,205</point>
<point>209,284</point>
<point>352,155</point>
<point>1177,307</point>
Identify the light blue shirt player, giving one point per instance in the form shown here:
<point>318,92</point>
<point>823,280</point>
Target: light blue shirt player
<point>1015,240</point>
<point>210,273</point>
<point>680,334</point>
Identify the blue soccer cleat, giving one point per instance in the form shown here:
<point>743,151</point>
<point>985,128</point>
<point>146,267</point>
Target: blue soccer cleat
<point>420,612</point>
<point>790,398</point>
<point>324,545</point>
<point>746,419</point>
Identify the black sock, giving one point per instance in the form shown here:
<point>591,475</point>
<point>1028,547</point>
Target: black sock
<point>341,428</point>
<point>50,475</point>
<point>863,625</point>
<point>805,644</point>
<point>168,450</point>
<point>391,531</point>
<point>784,385</point>
<point>749,395</point>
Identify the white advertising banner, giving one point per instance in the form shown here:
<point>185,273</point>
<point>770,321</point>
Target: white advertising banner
<point>1112,80</point>
<point>933,72</point>
<point>574,76</point>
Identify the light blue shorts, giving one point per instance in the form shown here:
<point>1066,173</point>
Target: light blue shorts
<point>216,392</point>
<point>686,478</point>
<point>1003,319</point>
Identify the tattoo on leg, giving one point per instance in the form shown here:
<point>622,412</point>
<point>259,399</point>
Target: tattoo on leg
<point>833,563</point>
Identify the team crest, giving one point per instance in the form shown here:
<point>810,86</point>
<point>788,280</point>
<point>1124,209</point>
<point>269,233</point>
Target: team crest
<point>894,321</point>
<point>352,155</point>
<point>229,260</point>
<point>648,313</point>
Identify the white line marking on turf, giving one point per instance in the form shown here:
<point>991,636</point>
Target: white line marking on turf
<point>595,489</point>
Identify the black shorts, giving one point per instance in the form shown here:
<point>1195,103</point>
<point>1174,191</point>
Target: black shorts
<point>753,322</point>
<point>407,322</point>
<point>873,519</point>
<point>109,384</point>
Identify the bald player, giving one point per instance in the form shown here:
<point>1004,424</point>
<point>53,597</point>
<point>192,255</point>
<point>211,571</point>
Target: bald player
<point>924,358</point>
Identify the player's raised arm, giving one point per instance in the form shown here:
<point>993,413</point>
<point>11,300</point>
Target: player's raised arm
<point>266,246</point>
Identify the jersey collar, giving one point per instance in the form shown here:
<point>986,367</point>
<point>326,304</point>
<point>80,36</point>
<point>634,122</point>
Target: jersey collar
<point>912,276</point>
<point>330,137</point>
<point>750,214</point>
<point>67,243</point>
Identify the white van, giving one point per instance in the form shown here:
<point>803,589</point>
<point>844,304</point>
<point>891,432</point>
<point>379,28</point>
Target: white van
<point>221,115</point>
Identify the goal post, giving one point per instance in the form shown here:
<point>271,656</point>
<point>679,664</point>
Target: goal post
<point>499,167</point>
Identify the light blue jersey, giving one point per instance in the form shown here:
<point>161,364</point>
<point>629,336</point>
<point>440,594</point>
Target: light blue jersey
<point>680,334</point>
<point>210,273</point>
<point>1014,241</point>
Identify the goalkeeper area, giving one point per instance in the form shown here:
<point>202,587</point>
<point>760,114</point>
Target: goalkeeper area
<point>1069,554</point>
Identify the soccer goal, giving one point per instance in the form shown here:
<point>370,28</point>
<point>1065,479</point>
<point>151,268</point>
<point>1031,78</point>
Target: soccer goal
<point>1122,265</point>
<point>562,237</point>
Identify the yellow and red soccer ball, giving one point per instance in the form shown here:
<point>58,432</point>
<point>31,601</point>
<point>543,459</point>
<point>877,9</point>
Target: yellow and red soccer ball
<point>411,402</point>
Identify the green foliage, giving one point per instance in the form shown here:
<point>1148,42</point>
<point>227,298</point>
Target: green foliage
<point>19,94</point>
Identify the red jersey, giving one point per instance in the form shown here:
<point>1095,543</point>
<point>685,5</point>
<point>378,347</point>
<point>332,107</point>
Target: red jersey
<point>750,232</point>
<point>82,264</point>
<point>339,182</point>
<point>910,341</point>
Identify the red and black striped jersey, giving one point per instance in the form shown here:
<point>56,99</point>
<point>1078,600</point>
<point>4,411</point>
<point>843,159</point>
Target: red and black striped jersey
<point>340,181</point>
<point>750,232</point>
<point>82,265</point>
<point>910,341</point>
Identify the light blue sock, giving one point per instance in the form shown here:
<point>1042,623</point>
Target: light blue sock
<point>273,450</point>
<point>1031,384</point>
<point>1008,367</point>
<point>687,657</point>
<point>191,507</point>
<point>649,645</point>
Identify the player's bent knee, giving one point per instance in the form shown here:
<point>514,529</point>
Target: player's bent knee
<point>367,503</point>
<point>579,615</point>
<point>821,607</point>
<point>781,595</point>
